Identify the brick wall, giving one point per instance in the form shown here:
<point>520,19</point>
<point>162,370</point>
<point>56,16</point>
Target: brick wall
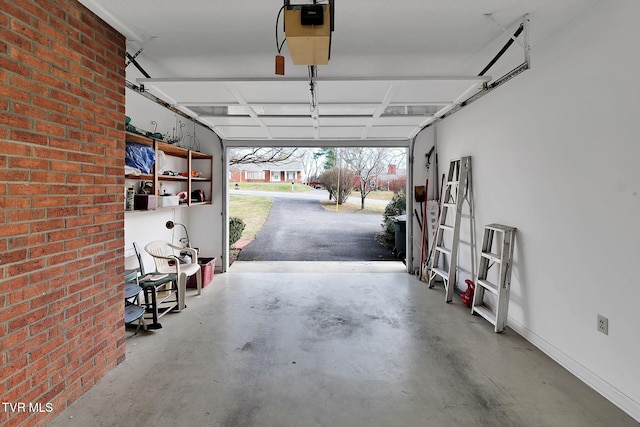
<point>61,205</point>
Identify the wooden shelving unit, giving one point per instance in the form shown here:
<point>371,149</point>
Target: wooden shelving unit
<point>194,161</point>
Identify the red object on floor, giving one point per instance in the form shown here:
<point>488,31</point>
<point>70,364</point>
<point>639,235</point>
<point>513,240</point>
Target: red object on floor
<point>467,296</point>
<point>207,267</point>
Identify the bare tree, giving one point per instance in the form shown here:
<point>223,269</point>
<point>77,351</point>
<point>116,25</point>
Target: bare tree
<point>338,182</point>
<point>311,164</point>
<point>259,155</point>
<point>367,164</point>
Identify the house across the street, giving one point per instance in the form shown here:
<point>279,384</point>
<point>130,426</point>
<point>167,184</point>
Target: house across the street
<point>267,172</point>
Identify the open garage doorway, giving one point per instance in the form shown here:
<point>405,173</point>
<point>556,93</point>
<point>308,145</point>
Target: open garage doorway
<point>315,204</point>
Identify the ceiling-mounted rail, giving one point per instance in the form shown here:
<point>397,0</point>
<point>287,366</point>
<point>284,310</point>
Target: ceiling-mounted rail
<point>523,28</point>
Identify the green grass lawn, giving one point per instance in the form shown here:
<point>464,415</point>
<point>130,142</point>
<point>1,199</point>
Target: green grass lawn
<point>253,210</point>
<point>271,186</point>
<point>349,207</point>
<point>378,195</point>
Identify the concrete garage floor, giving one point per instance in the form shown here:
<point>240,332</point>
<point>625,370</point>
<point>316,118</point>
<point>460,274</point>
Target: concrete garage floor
<point>333,344</point>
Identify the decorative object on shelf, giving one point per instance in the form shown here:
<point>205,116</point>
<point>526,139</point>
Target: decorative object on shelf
<point>178,133</point>
<point>155,134</point>
<point>194,142</point>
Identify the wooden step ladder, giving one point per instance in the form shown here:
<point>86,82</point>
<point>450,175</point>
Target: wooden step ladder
<point>444,260</point>
<point>497,248</point>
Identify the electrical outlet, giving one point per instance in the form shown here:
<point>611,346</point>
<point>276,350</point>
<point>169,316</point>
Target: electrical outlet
<point>603,324</point>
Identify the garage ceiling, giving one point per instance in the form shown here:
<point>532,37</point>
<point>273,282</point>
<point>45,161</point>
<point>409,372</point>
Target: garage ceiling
<point>394,67</point>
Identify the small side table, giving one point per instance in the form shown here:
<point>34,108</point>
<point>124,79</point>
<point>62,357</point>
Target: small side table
<point>160,296</point>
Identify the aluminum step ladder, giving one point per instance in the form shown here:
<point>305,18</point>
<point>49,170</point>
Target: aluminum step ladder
<point>443,263</point>
<point>497,249</point>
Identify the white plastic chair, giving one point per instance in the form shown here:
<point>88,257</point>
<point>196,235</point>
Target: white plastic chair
<point>168,263</point>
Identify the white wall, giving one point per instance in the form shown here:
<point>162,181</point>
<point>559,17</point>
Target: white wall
<point>555,154</point>
<point>203,222</point>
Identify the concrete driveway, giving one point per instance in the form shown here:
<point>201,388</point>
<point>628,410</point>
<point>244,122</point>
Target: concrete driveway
<point>299,229</point>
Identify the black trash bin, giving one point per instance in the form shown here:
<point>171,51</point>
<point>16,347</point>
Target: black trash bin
<point>400,232</point>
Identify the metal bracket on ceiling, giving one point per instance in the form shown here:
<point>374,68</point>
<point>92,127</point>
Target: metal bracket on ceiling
<point>506,30</point>
<point>131,59</point>
<point>523,27</point>
<point>487,87</point>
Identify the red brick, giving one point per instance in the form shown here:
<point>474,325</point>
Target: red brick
<point>15,37</point>
<point>79,221</point>
<point>81,200</point>
<point>77,135</point>
<point>65,305</point>
<point>70,120</point>
<point>25,346</point>
<point>17,242</point>
<point>14,202</point>
<point>13,256</point>
<point>46,299</point>
<point>65,167</point>
<point>62,212</point>
<point>28,110</point>
<point>62,258</point>
<point>27,292</point>
<point>63,189</point>
<point>56,11</point>
<point>48,80</point>
<point>26,215</point>
<point>93,169</point>
<point>29,137</point>
<point>29,59</point>
<point>45,250</point>
<point>64,97</point>
<point>82,179</point>
<point>84,73</point>
<point>27,189</point>
<point>81,158</point>
<point>37,176</point>
<point>50,128</point>
<point>29,163</point>
<point>27,318</point>
<point>67,53</point>
<point>49,104</point>
<point>17,176</point>
<point>25,267</point>
<point>51,33</point>
<point>49,201</point>
<point>93,128</point>
<point>78,243</point>
<point>49,153</point>
<point>46,275</point>
<point>37,10</point>
<point>15,121</point>
<point>13,229</point>
<point>15,12</point>
<point>14,149</point>
<point>87,55</point>
<point>68,76</point>
<point>12,93</point>
<point>14,338</point>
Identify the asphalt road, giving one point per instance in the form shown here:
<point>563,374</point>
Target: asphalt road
<point>299,229</point>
